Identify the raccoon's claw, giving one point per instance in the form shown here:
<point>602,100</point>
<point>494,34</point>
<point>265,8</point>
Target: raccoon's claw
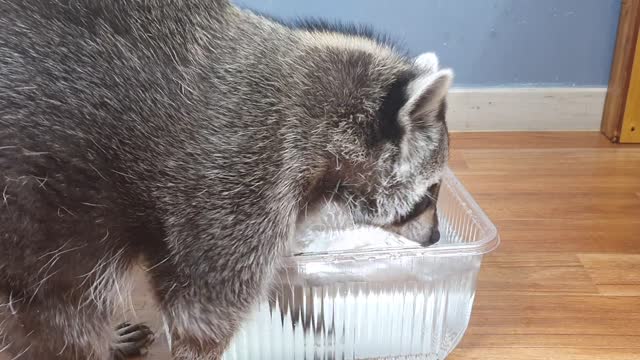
<point>131,340</point>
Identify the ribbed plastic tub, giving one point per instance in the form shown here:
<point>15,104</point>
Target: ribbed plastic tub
<point>404,302</point>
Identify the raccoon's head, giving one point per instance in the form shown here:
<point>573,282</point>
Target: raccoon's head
<point>387,135</point>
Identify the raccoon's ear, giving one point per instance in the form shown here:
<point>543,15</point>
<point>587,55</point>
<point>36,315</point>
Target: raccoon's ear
<point>426,95</point>
<point>427,62</point>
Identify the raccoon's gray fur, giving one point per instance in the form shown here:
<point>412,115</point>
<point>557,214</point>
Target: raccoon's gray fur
<point>192,135</point>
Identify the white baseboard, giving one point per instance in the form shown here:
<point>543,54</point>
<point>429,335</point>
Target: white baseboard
<point>526,109</point>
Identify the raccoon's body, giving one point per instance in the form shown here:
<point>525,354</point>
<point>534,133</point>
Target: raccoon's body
<point>192,136</point>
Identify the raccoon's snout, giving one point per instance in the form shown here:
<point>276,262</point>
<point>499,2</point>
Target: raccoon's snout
<point>435,236</point>
<point>423,230</point>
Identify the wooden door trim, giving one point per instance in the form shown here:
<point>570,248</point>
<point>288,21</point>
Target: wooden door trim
<point>624,57</point>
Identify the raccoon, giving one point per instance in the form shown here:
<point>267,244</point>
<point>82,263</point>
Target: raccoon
<point>193,137</point>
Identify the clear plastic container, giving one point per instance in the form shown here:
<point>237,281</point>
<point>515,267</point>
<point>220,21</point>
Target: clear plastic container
<point>400,302</point>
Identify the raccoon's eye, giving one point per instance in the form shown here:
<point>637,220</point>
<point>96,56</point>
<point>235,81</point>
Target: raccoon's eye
<point>427,201</point>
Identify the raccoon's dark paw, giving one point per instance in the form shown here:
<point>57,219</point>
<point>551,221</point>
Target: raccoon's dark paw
<point>131,340</point>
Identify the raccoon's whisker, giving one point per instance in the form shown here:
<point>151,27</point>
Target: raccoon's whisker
<point>335,190</point>
<point>22,353</point>
<point>173,286</point>
<point>56,256</point>
<point>167,330</point>
<point>27,152</point>
<point>6,347</point>
<point>40,283</point>
<point>158,264</point>
<point>117,289</point>
<point>98,172</point>
<point>51,263</point>
<point>306,209</point>
<point>65,209</point>
<point>92,204</point>
<point>63,348</point>
<point>108,270</point>
<point>69,250</point>
<point>87,275</point>
<point>5,197</point>
<point>55,251</point>
<point>105,237</point>
<point>10,304</point>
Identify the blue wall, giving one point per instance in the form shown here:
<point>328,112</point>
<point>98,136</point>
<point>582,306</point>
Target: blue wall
<point>487,42</point>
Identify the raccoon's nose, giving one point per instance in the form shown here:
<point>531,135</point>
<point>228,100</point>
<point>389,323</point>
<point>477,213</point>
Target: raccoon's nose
<point>435,237</point>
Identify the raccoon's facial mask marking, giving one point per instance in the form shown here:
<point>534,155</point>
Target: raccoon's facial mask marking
<point>428,201</point>
<point>421,223</point>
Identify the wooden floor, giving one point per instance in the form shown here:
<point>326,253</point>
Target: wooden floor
<point>565,282</point>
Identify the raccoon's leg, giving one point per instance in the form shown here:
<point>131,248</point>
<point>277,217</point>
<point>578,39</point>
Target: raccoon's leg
<point>204,303</point>
<point>52,329</point>
<point>131,340</point>
<point>200,327</point>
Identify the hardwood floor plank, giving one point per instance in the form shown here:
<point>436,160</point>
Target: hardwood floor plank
<point>555,341</point>
<point>544,354</point>
<point>553,162</point>
<point>571,239</point>
<point>531,140</point>
<point>548,185</point>
<point>531,272</point>
<point>612,269</point>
